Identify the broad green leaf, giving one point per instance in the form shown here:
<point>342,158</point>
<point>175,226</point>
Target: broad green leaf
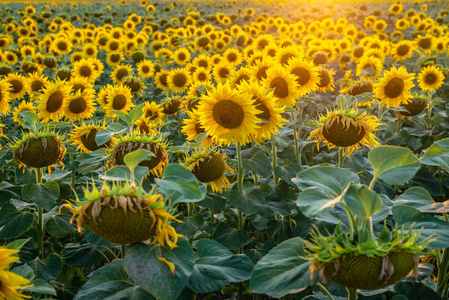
<point>125,117</point>
<point>181,184</point>
<point>25,271</point>
<point>43,194</point>
<point>122,173</point>
<point>154,275</point>
<point>230,237</point>
<point>215,267</point>
<point>259,163</point>
<point>329,179</point>
<point>189,226</point>
<point>419,198</point>
<point>282,270</point>
<point>41,287</point>
<point>280,230</point>
<point>111,282</point>
<point>288,172</point>
<point>437,155</point>
<point>30,119</point>
<point>59,225</point>
<point>14,222</point>
<point>361,201</point>
<point>248,202</point>
<point>281,142</point>
<point>416,291</point>
<point>104,136</point>
<point>431,226</point>
<point>47,269</point>
<point>82,255</point>
<point>132,159</point>
<point>18,244</point>
<point>394,165</point>
<point>315,202</point>
<point>136,113</point>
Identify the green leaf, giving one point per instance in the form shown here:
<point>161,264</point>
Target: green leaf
<point>259,164</point>
<point>18,244</point>
<point>248,202</point>
<point>14,222</point>
<point>122,173</point>
<point>125,117</point>
<point>48,269</point>
<point>104,136</point>
<point>82,255</point>
<point>431,226</point>
<point>215,267</point>
<point>362,201</point>
<point>153,275</point>
<point>136,113</point>
<point>30,119</point>
<point>394,165</point>
<point>288,172</point>
<point>416,291</point>
<point>132,159</point>
<point>329,179</point>
<point>181,184</point>
<point>280,230</point>
<point>59,225</point>
<point>420,198</point>
<point>438,155</point>
<point>281,142</point>
<point>41,287</point>
<point>111,282</point>
<point>43,194</point>
<point>230,237</point>
<point>315,202</point>
<point>282,270</point>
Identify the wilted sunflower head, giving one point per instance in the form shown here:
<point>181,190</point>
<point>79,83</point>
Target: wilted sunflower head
<point>416,105</point>
<point>130,143</point>
<point>209,167</point>
<point>122,213</point>
<point>39,149</point>
<point>346,129</point>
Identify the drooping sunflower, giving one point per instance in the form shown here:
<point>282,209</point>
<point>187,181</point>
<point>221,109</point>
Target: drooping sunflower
<point>39,149</point>
<point>120,72</point>
<point>124,214</point>
<point>52,99</point>
<point>209,167</point>
<point>286,89</point>
<point>394,88</point>
<point>135,84</point>
<point>270,114</point>
<point>154,144</point>
<point>17,83</point>
<point>119,97</point>
<point>306,74</point>
<point>146,126</point>
<point>11,282</point>
<point>84,137</point>
<point>178,80</point>
<point>346,129</point>
<point>23,106</point>
<point>145,69</point>
<point>229,114</point>
<point>79,106</point>
<point>192,128</point>
<point>5,97</point>
<point>430,78</point>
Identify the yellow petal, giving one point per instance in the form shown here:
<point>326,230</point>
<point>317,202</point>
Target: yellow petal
<point>169,264</point>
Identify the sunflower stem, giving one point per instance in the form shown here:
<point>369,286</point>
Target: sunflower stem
<point>352,294</point>
<point>190,207</point>
<point>123,251</point>
<point>40,218</point>
<point>295,136</point>
<point>442,270</point>
<point>341,157</point>
<point>325,291</point>
<point>240,173</point>
<point>372,183</point>
<point>274,159</point>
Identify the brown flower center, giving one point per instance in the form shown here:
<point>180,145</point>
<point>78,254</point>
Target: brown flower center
<point>54,102</point>
<point>430,79</point>
<point>228,114</point>
<point>338,133</point>
<point>210,169</point>
<point>85,71</point>
<point>17,86</point>
<point>78,105</point>
<point>302,75</point>
<point>394,87</point>
<point>280,86</point>
<point>119,102</point>
<point>179,80</point>
<point>223,72</point>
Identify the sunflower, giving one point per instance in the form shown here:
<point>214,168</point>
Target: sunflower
<point>426,43</point>
<point>85,68</point>
<point>39,149</point>
<point>114,45</point>
<point>192,128</point>
<point>119,97</point>
<point>403,50</point>
<point>27,50</point>
<point>201,75</point>
<point>5,97</point>
<point>153,112</point>
<point>178,80</point>
<point>79,106</point>
<point>146,126</point>
<point>286,89</point>
<point>124,214</point>
<point>181,56</point>
<point>61,46</point>
<point>17,83</point>
<point>394,88</point>
<point>11,282</point>
<point>326,80</point>
<point>430,78</point>
<point>10,57</point>
<point>233,56</point>
<point>259,70</point>
<point>130,143</point>
<point>135,84</point>
<point>306,74</point>
<point>120,72</point>
<point>239,76</point>
<point>228,114</point>
<point>270,114</point>
<point>145,69</point>
<point>346,129</point>
<point>161,80</point>
<point>52,99</point>
<point>369,67</point>
<point>222,71</point>
<point>358,87</point>
<point>23,106</point>
<point>84,137</point>
<point>90,50</point>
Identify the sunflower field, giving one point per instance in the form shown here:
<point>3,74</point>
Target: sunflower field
<point>193,149</point>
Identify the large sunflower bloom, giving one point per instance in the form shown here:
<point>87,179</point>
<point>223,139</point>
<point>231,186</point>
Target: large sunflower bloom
<point>346,130</point>
<point>52,100</point>
<point>286,89</point>
<point>394,88</point>
<point>10,282</point>
<point>119,97</point>
<point>79,106</point>
<point>228,114</point>
<point>430,78</point>
<point>5,97</point>
<point>306,73</point>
